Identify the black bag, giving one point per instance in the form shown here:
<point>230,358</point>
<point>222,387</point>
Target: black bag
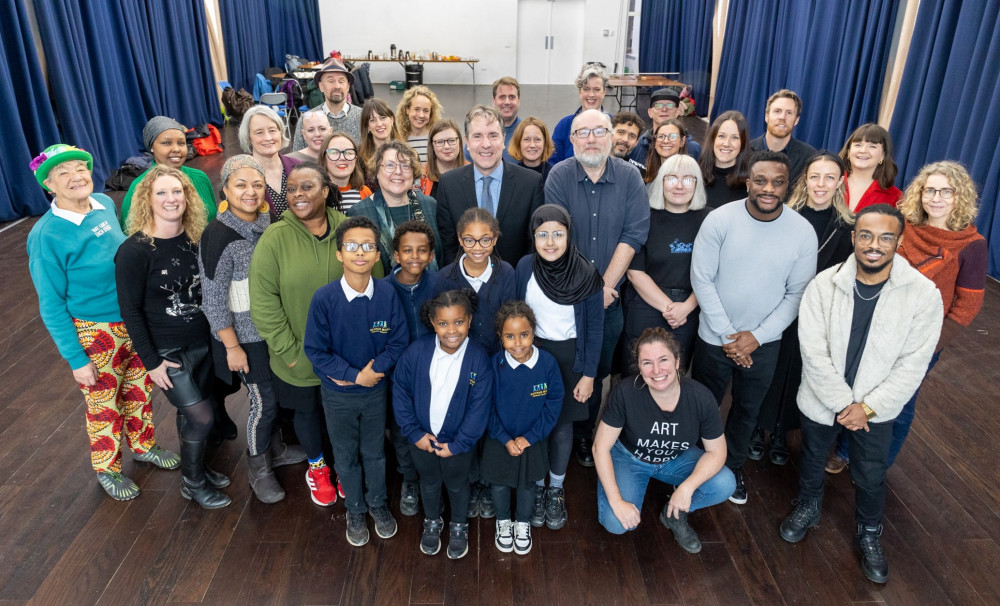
<point>236,102</point>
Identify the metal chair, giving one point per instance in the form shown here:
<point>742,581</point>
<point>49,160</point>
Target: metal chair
<point>277,102</point>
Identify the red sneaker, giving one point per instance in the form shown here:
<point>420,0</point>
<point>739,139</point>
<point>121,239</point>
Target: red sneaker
<point>320,489</point>
<point>340,489</point>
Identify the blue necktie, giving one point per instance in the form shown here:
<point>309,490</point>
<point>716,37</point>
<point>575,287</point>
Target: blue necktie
<point>487,197</point>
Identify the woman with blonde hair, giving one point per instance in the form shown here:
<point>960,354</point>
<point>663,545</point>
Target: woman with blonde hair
<point>417,112</point>
<point>159,293</point>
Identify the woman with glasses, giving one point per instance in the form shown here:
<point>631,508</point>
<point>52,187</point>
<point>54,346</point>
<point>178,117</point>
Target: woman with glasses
<point>669,139</point>
<point>660,275</point>
<point>444,154</point>
<point>315,130</point>
<point>395,166</point>
<point>871,170</point>
<point>941,241</point>
<point>340,157</point>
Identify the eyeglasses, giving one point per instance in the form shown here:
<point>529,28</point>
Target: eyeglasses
<point>946,193</point>
<point>667,137</point>
<point>390,167</point>
<point>673,180</point>
<point>556,235</point>
<point>347,154</point>
<point>485,242</point>
<point>665,105</point>
<point>865,237</point>
<point>365,246</point>
<point>599,132</point>
<point>439,143</point>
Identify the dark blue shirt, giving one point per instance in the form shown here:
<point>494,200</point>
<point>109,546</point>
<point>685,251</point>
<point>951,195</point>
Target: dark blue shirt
<point>412,296</point>
<point>495,292</point>
<point>528,400</point>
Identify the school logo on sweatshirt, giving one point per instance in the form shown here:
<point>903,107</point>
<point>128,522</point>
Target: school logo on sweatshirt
<point>379,327</point>
<point>540,390</point>
<point>472,378</point>
<point>101,229</point>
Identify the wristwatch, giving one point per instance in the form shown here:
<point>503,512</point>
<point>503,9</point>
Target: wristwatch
<point>868,411</point>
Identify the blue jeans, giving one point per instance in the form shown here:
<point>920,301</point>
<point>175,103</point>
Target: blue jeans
<point>900,425</point>
<point>356,424</point>
<point>632,476</point>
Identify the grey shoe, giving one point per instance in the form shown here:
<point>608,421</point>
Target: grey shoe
<point>685,536</point>
<point>430,541</point>
<point>284,454</point>
<point>458,540</point>
<point>119,487</point>
<point>385,524</point>
<point>161,457</point>
<point>409,501</point>
<point>265,486</point>
<point>357,529</point>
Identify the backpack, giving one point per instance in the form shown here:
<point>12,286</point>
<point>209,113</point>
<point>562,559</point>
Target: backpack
<point>209,144</point>
<point>236,102</point>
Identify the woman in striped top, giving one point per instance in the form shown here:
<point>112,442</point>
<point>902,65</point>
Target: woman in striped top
<point>340,158</point>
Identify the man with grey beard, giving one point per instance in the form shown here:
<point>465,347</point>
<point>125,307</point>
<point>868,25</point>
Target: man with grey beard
<point>610,210</point>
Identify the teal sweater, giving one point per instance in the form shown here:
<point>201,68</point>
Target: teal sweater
<point>73,270</point>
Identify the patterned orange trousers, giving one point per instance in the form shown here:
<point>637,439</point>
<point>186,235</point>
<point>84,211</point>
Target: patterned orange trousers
<point>119,401</point>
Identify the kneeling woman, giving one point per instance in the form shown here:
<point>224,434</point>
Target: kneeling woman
<point>159,292</point>
<point>649,430</point>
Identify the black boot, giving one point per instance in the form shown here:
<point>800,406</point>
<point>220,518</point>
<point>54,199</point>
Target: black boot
<point>216,479</point>
<point>685,536</point>
<point>284,454</point>
<point>755,450</point>
<point>224,426</point>
<point>779,452</point>
<point>265,486</point>
<point>194,485</point>
<point>873,561</point>
<point>805,516</point>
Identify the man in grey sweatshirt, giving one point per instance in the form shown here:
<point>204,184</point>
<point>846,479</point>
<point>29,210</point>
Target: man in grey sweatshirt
<point>750,264</point>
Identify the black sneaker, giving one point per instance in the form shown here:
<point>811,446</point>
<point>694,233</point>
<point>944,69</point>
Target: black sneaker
<point>797,524</point>
<point>538,508</point>
<point>685,536</point>
<point>409,501</point>
<point>555,508</point>
<point>474,490</point>
<point>385,524</point>
<point>430,541</point>
<point>458,540</point>
<point>739,495</point>
<point>357,529</point>
<point>487,509</point>
<point>755,450</point>
<point>584,456</point>
<point>873,562</point>
<point>779,452</point>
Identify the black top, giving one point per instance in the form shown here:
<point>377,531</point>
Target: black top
<point>666,256</point>
<point>860,323</point>
<point>832,235</point>
<point>797,151</point>
<point>654,435</point>
<point>718,193</point>
<point>817,218</point>
<point>159,292</point>
<point>542,169</point>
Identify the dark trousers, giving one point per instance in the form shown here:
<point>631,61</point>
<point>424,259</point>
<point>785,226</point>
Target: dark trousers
<point>714,370</point>
<point>453,472</point>
<point>868,451</point>
<point>525,502</point>
<point>639,316</point>
<point>260,420</point>
<point>400,445</point>
<point>614,321</point>
<point>356,424</point>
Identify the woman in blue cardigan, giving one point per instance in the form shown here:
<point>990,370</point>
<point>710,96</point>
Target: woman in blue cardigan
<point>442,395</point>
<point>566,293</point>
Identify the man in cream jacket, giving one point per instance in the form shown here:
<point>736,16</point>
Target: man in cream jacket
<point>867,328</point>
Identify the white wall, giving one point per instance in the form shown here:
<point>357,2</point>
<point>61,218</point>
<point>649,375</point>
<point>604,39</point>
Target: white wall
<point>485,29</point>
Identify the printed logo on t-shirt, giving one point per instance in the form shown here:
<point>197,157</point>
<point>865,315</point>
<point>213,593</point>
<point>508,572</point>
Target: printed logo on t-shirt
<point>540,390</point>
<point>379,327</point>
<point>660,450</point>
<point>679,248</point>
<point>101,229</point>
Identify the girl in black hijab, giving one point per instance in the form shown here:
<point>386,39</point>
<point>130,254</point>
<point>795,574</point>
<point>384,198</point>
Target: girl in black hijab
<point>566,293</point>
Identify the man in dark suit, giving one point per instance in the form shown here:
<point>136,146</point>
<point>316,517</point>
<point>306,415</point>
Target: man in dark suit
<point>510,192</point>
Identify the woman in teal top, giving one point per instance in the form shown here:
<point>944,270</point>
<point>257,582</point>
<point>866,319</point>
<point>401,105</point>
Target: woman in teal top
<point>71,253</point>
<point>164,138</point>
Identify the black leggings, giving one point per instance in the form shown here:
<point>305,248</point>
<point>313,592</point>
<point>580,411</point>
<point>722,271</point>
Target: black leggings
<point>560,447</point>
<point>198,420</point>
<point>260,421</point>
<point>309,429</point>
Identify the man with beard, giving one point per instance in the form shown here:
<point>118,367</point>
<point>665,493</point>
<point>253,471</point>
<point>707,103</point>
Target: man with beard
<point>750,264</point>
<point>781,114</point>
<point>607,201</point>
<point>868,328</point>
<point>625,129</point>
<point>664,104</point>
<point>334,81</point>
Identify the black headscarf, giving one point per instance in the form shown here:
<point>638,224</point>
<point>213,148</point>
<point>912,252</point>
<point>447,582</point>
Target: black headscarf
<point>571,278</point>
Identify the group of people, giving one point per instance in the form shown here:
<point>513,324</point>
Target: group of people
<point>462,293</point>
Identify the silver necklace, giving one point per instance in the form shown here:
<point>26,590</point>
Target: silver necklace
<point>864,298</point>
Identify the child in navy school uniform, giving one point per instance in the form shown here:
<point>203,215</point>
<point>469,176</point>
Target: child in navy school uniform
<point>355,332</point>
<point>493,280</point>
<point>442,395</point>
<point>413,251</point>
<point>528,397</point>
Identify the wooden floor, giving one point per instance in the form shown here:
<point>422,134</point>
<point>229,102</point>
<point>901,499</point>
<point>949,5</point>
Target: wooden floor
<point>62,541</point>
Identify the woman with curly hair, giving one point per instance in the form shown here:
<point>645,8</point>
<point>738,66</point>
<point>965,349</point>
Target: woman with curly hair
<point>941,241</point>
<point>159,292</point>
<point>417,111</point>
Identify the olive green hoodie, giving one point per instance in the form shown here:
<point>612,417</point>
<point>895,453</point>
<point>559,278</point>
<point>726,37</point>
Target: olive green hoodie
<point>288,266</point>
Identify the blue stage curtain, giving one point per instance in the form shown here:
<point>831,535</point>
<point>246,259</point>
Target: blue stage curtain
<point>258,33</point>
<point>113,65</point>
<point>948,106</point>
<point>28,123</point>
<point>833,54</point>
<point>676,36</point>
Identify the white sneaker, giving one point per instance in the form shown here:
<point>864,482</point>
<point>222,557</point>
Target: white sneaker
<point>505,536</point>
<point>522,538</point>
